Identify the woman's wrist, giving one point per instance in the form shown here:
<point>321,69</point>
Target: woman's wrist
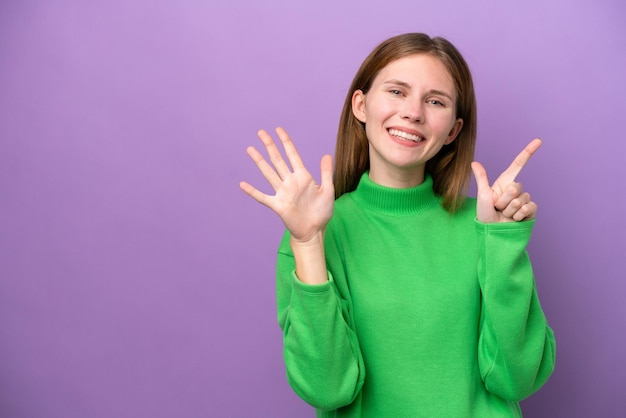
<point>310,259</point>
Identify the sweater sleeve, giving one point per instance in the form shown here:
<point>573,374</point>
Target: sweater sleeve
<point>516,351</point>
<point>320,348</point>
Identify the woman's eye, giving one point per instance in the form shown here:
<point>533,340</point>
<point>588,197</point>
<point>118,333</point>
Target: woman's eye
<point>435,102</point>
<point>395,92</point>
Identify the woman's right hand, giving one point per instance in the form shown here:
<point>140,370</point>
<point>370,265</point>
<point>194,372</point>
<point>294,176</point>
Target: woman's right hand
<point>304,206</point>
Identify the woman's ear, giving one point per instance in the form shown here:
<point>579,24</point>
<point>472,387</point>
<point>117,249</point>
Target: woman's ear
<point>454,132</point>
<point>358,105</point>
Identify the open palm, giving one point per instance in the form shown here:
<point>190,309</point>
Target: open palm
<point>304,206</point>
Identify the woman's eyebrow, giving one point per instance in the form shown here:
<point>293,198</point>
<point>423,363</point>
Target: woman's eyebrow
<point>441,93</point>
<point>407,85</point>
<point>398,83</point>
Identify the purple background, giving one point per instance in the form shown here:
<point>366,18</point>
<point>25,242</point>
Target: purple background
<point>136,279</point>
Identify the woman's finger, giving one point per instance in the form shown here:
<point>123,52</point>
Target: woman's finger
<point>290,149</point>
<point>257,195</point>
<point>275,155</point>
<point>268,172</point>
<point>512,191</point>
<point>515,205</point>
<point>526,212</point>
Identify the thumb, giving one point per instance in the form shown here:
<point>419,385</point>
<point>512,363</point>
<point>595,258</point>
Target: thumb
<point>326,168</point>
<point>485,197</point>
<point>480,174</point>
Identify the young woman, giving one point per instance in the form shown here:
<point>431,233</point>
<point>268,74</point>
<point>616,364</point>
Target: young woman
<point>398,296</point>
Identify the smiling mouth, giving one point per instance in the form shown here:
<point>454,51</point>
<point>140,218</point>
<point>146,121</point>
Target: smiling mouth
<point>404,135</point>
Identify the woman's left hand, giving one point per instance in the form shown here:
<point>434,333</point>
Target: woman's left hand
<point>505,201</point>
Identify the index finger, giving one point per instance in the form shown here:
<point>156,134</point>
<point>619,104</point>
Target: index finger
<point>509,175</point>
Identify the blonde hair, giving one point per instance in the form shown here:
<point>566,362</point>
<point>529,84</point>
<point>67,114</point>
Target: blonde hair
<point>450,168</point>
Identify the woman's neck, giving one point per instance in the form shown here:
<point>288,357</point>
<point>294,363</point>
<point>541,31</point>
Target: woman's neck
<point>397,178</point>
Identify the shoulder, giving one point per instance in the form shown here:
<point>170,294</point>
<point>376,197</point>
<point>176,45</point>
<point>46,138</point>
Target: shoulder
<point>345,206</point>
<point>467,209</point>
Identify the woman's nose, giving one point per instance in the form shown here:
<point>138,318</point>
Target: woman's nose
<point>413,111</point>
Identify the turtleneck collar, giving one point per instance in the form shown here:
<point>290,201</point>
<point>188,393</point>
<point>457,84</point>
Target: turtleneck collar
<point>382,199</point>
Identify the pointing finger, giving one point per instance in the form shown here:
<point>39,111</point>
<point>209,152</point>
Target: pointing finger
<point>510,174</point>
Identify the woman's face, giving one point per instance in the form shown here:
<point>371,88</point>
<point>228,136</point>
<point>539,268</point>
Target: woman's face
<point>409,114</point>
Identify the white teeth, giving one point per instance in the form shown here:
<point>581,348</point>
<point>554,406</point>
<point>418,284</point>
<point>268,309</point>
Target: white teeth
<point>404,135</point>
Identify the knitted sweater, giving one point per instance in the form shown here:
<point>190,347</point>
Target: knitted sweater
<point>424,314</point>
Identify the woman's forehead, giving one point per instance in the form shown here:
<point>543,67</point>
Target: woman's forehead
<point>417,69</point>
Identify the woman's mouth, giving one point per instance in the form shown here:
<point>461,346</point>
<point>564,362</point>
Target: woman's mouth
<point>404,135</point>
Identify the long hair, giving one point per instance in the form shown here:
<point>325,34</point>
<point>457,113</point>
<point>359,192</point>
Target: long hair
<point>450,168</point>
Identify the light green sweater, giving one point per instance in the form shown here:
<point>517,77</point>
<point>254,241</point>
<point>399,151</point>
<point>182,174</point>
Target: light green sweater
<point>425,314</point>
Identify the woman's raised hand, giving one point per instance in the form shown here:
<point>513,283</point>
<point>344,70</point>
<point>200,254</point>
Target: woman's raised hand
<point>505,201</point>
<point>304,206</point>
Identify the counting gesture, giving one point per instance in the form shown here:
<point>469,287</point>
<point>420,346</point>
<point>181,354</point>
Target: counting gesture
<point>304,206</point>
<point>505,201</point>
